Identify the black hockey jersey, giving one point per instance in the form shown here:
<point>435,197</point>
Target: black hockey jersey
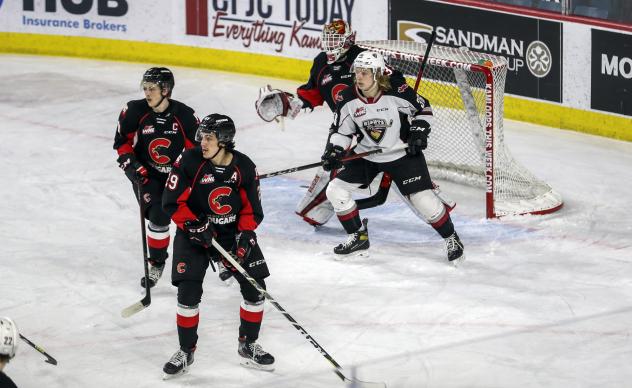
<point>228,195</point>
<point>379,122</point>
<point>327,81</point>
<point>156,139</point>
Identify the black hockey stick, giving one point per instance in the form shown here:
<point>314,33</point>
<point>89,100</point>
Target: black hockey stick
<point>49,359</point>
<point>321,350</point>
<point>146,301</point>
<point>433,35</point>
<point>318,164</point>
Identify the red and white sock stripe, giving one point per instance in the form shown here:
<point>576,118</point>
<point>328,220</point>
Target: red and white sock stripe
<point>251,312</point>
<point>157,236</point>
<point>187,316</point>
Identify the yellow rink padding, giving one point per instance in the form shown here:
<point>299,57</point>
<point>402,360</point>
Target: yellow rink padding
<point>537,112</point>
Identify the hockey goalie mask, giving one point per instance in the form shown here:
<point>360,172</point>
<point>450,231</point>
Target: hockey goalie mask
<point>370,60</point>
<point>337,39</point>
<point>221,125</point>
<point>8,337</point>
<point>160,76</point>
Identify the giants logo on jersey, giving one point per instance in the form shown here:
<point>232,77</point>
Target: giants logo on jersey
<point>376,128</point>
<point>214,200</point>
<point>336,92</point>
<point>154,150</point>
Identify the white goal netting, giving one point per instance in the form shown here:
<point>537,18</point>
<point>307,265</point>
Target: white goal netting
<point>466,145</point>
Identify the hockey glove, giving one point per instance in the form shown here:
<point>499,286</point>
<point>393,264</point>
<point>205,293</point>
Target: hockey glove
<point>273,103</point>
<point>135,172</point>
<point>418,137</point>
<point>332,157</point>
<point>244,241</point>
<point>201,231</point>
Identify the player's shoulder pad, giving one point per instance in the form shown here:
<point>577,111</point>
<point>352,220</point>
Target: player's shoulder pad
<point>180,108</point>
<point>137,107</point>
<point>353,53</point>
<point>243,161</point>
<point>190,158</point>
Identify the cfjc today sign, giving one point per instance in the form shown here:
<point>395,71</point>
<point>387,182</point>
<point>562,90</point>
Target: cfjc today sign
<point>279,24</point>
<point>611,72</point>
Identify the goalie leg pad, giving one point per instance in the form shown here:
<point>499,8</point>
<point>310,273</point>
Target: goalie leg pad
<point>314,207</point>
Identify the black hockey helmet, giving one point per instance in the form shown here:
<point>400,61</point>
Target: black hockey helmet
<point>221,125</point>
<point>161,76</point>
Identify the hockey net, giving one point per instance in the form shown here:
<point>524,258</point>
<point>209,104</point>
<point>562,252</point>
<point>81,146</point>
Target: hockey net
<point>467,145</point>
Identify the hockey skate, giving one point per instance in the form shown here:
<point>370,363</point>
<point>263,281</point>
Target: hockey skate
<point>357,243</point>
<point>454,248</point>
<point>253,356</point>
<point>155,272</point>
<point>178,364</point>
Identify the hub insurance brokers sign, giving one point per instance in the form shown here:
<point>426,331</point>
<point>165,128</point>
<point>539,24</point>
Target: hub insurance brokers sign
<point>291,27</point>
<point>611,72</point>
<point>531,46</point>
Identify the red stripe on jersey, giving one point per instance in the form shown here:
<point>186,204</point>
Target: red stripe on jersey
<point>348,216</point>
<point>187,143</point>
<point>125,149</point>
<point>183,213</point>
<point>188,322</point>
<point>246,216</point>
<point>250,316</point>
<point>158,243</point>
<point>312,96</point>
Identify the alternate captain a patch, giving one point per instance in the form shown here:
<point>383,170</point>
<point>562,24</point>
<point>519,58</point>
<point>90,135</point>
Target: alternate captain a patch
<point>376,128</point>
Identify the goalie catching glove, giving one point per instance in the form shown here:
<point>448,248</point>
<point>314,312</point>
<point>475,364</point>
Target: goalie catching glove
<point>273,103</point>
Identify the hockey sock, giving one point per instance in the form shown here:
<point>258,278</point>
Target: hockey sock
<point>188,318</point>
<point>350,220</point>
<point>250,316</point>
<point>444,226</point>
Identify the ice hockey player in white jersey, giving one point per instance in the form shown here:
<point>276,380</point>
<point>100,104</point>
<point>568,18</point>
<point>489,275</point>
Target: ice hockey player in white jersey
<point>383,112</point>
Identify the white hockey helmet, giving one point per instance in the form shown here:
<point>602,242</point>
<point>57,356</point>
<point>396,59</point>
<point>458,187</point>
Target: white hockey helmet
<point>8,337</point>
<point>337,39</point>
<point>370,60</point>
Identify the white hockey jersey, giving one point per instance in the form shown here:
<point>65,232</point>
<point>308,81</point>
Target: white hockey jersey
<point>380,122</point>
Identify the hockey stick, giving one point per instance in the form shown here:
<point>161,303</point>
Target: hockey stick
<point>318,164</point>
<point>321,350</point>
<point>146,301</point>
<point>49,359</point>
<point>425,59</point>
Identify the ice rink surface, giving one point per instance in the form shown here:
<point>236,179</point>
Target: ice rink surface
<point>542,301</point>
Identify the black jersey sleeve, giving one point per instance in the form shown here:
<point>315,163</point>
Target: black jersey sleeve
<point>178,187</point>
<point>251,213</point>
<point>309,93</point>
<point>128,120</point>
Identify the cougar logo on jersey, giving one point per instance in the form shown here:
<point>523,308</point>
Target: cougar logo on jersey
<point>376,128</point>
<point>148,130</point>
<point>181,267</point>
<point>206,179</point>
<point>336,92</point>
<point>361,111</point>
<point>154,148</point>
<point>326,79</point>
<point>214,200</point>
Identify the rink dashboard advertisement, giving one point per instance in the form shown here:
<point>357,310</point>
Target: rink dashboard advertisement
<point>531,46</point>
<point>611,72</point>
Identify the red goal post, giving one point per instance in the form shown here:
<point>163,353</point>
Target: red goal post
<point>466,91</point>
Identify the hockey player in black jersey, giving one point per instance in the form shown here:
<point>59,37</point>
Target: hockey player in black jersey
<point>213,193</point>
<point>383,112</point>
<point>328,77</point>
<point>151,133</point>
